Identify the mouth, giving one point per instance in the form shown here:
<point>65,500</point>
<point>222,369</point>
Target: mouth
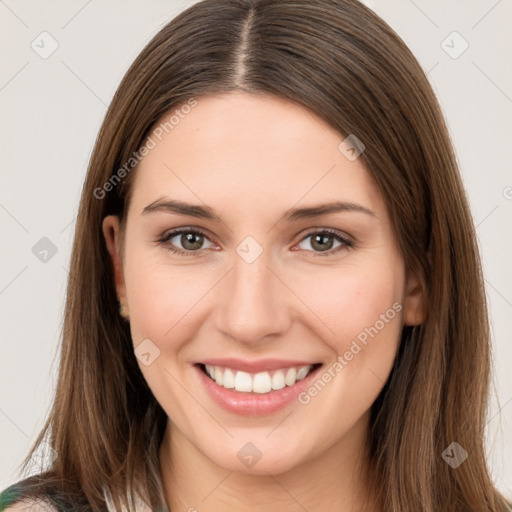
<point>257,383</point>
<point>254,387</point>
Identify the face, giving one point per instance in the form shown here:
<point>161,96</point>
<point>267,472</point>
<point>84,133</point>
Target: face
<point>296,305</point>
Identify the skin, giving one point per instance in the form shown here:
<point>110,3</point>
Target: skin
<point>250,158</point>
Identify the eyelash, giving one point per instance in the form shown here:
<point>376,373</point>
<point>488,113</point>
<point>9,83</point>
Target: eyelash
<point>346,243</point>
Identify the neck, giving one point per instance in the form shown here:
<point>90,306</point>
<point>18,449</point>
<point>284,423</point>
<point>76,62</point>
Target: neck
<point>335,479</point>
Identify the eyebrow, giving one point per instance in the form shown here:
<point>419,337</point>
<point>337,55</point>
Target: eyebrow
<point>293,214</point>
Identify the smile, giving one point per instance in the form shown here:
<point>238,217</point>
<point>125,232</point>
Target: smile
<point>261,382</point>
<point>257,387</point>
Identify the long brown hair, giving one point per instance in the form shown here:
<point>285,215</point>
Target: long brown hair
<point>339,59</point>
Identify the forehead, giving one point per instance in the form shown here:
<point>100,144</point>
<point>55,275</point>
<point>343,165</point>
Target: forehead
<point>250,152</point>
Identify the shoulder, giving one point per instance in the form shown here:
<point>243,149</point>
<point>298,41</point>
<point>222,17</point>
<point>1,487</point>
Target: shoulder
<point>30,505</point>
<point>20,497</point>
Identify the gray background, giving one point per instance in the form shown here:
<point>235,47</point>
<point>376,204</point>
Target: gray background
<point>51,109</point>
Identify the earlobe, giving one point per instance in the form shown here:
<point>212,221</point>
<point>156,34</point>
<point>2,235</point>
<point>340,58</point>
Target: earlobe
<point>414,303</point>
<point>111,232</point>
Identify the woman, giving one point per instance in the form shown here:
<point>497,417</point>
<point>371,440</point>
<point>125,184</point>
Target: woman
<point>274,205</point>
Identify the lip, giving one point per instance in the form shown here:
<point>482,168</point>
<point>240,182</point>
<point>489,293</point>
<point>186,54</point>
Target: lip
<point>263,365</point>
<point>253,404</point>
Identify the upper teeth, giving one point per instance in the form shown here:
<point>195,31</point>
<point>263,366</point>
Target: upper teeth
<point>262,382</point>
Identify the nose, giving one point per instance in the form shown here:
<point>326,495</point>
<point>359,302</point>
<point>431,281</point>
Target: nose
<point>254,304</point>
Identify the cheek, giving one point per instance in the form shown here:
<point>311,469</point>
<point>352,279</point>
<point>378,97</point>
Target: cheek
<point>350,300</point>
<point>163,298</point>
<point>362,305</point>
<point>163,306</point>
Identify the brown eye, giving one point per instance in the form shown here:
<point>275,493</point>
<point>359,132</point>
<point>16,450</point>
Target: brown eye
<point>322,242</point>
<point>191,241</point>
<point>185,242</point>
<point>325,242</point>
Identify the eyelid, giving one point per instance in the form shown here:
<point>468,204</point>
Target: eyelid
<point>340,234</point>
<point>185,229</point>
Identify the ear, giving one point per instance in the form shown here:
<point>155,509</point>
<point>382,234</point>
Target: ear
<point>414,301</point>
<point>111,232</point>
